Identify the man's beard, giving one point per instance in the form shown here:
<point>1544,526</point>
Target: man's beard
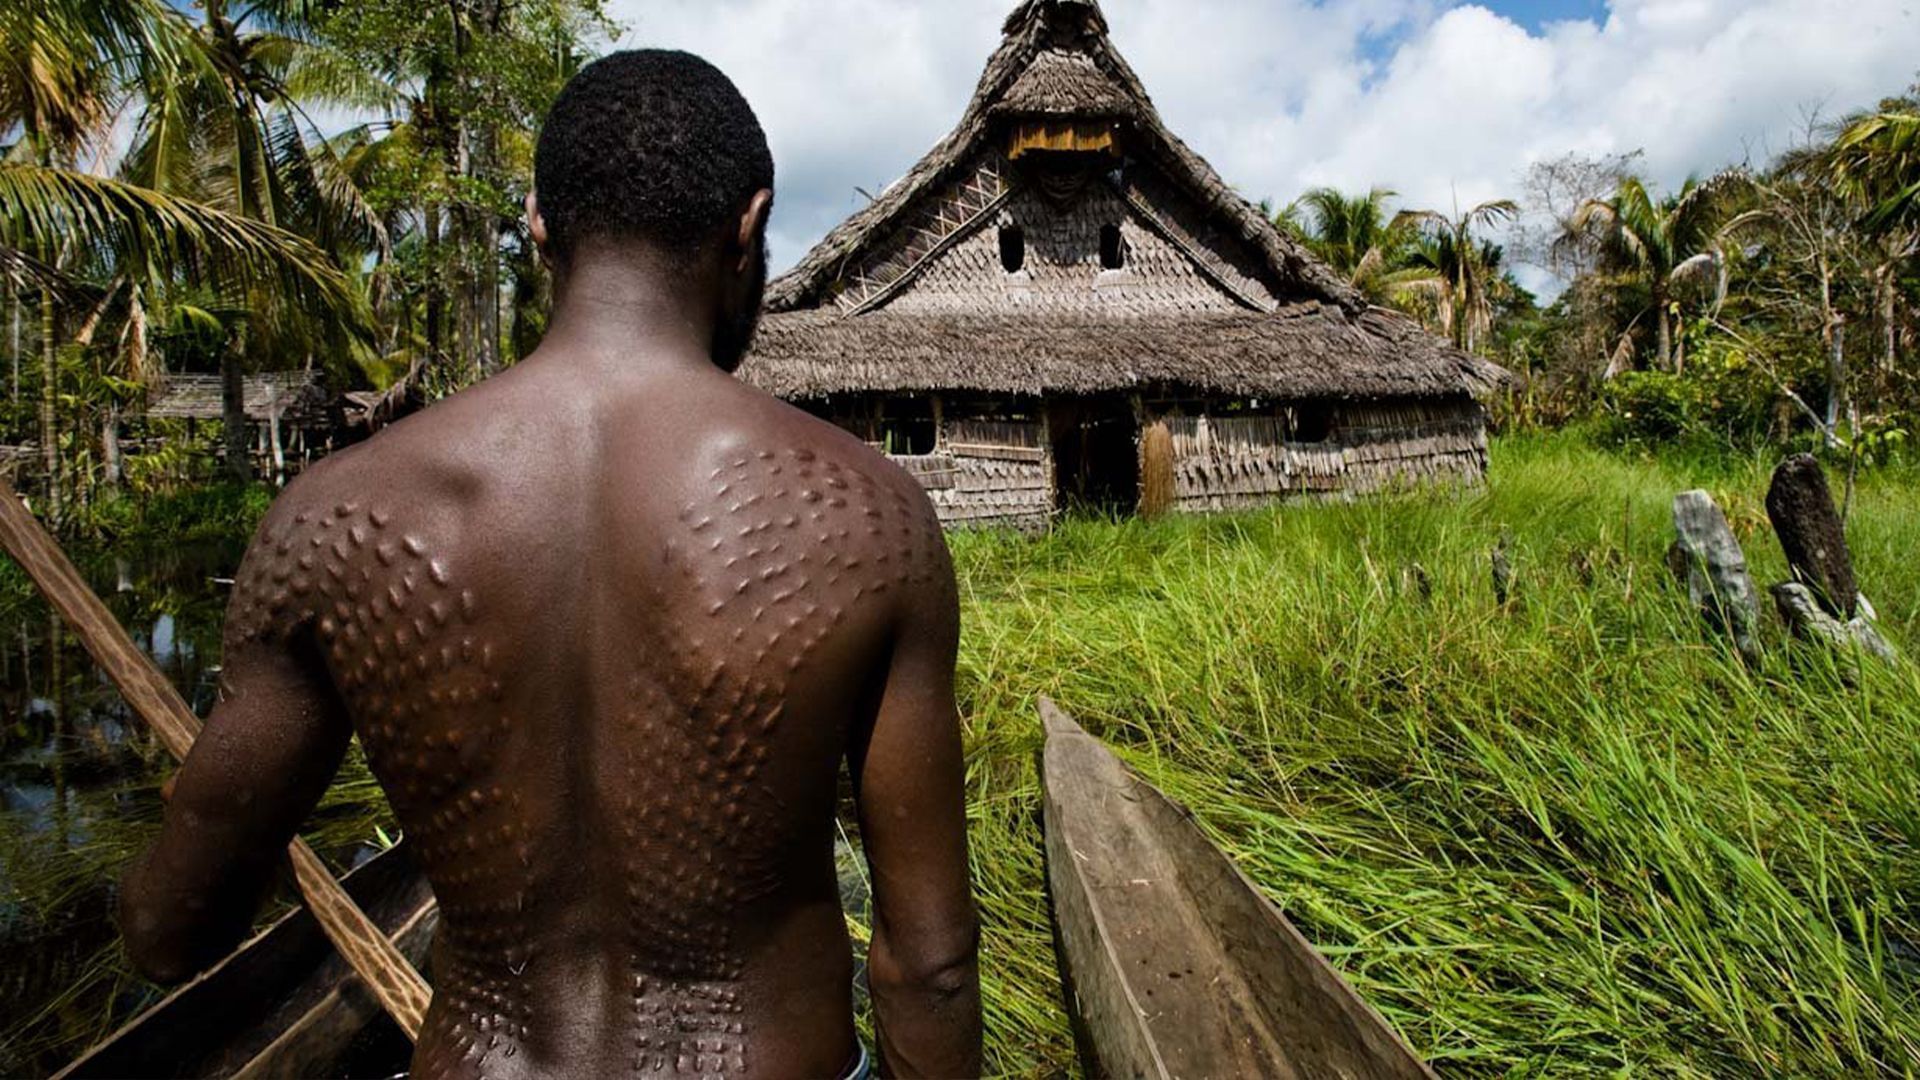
<point>733,337</point>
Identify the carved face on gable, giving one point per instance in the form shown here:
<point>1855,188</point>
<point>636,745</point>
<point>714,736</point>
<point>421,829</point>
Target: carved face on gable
<point>1062,176</point>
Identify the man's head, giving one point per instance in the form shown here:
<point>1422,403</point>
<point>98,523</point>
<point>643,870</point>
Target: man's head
<point>659,150</point>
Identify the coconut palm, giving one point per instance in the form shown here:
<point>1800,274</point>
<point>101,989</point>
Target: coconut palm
<point>1353,235</point>
<point>1669,244</point>
<point>1877,157</point>
<point>227,127</point>
<point>1456,271</point>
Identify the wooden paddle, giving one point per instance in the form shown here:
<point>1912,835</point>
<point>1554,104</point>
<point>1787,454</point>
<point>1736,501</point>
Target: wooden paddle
<point>399,988</point>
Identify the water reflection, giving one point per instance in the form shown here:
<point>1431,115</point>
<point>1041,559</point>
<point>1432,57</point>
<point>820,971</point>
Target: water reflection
<point>79,782</point>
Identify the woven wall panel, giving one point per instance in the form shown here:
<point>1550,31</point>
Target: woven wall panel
<point>1237,462</point>
<point>987,472</point>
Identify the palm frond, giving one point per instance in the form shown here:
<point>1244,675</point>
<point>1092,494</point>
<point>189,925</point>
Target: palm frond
<point>153,236</point>
<point>321,76</point>
<point>1489,214</point>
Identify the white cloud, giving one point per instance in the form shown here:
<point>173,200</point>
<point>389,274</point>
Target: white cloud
<point>1436,100</point>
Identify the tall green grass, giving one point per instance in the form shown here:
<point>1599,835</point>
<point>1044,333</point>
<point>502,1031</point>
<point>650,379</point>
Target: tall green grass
<point>1568,836</point>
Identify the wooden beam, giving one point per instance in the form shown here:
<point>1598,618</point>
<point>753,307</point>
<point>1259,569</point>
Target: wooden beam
<point>399,988</point>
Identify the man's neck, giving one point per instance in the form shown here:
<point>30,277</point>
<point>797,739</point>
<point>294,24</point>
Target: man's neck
<point>641,310</point>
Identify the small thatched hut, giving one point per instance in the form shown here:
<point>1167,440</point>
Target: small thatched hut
<point>1061,275</point>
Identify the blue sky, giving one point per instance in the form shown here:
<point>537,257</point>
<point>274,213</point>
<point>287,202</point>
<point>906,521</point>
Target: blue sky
<point>1535,14</point>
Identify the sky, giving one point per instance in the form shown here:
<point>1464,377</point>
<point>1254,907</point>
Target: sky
<point>1445,103</point>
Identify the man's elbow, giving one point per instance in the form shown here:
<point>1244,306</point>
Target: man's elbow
<point>939,971</point>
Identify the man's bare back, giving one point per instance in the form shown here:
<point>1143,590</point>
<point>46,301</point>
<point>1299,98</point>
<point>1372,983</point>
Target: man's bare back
<point>607,625</point>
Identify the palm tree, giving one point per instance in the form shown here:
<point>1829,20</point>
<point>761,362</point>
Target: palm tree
<point>1667,243</point>
<point>1877,158</point>
<point>227,127</point>
<point>1462,272</point>
<point>1875,162</point>
<point>1352,234</point>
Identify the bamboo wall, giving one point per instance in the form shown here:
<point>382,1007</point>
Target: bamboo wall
<point>987,473</point>
<point>1235,462</point>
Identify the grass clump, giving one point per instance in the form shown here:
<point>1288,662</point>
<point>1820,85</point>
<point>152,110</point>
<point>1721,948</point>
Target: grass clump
<point>1567,836</point>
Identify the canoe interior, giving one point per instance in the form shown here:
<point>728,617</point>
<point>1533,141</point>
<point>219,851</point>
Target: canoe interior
<point>1177,966</point>
<point>284,1004</point>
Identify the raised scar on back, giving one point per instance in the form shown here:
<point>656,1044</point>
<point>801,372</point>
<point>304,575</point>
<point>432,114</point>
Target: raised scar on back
<point>407,650</point>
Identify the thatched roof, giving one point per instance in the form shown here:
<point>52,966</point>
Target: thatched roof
<point>297,397</point>
<point>1063,83</point>
<point>1048,27</point>
<point>1292,327</point>
<point>1308,350</point>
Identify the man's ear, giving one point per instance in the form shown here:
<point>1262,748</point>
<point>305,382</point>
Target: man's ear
<point>753,224</point>
<point>537,226</point>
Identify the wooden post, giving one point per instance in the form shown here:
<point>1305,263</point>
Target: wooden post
<point>1815,541</point>
<point>399,988</point>
<point>1708,557</point>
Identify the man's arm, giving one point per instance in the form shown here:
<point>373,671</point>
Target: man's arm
<point>264,760</point>
<point>910,781</point>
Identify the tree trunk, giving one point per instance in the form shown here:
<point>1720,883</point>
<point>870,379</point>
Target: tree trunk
<point>233,414</point>
<point>1663,331</point>
<point>110,447</point>
<point>275,447</point>
<point>49,421</point>
<point>435,314</point>
<point>1836,371</point>
<point>15,306</point>
<point>1889,321</point>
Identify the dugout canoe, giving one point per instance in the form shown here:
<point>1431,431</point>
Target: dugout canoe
<point>284,1004</point>
<point>1174,964</point>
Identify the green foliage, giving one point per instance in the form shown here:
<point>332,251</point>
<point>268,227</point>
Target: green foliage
<point>1722,397</point>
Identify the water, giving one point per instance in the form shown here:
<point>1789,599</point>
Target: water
<point>79,794</point>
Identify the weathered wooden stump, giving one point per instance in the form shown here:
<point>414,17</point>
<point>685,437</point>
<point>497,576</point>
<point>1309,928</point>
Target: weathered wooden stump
<point>1502,565</point>
<point>1414,580</point>
<point>1708,556</point>
<point>1811,533</point>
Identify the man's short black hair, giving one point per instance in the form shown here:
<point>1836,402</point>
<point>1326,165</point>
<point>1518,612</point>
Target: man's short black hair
<point>648,145</point>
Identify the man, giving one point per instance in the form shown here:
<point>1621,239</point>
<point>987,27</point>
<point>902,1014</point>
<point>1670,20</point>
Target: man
<point>606,625</point>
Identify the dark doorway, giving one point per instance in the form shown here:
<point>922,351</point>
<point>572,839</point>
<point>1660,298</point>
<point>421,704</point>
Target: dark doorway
<point>1096,454</point>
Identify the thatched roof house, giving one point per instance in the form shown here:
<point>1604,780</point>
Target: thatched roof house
<point>1062,276</point>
